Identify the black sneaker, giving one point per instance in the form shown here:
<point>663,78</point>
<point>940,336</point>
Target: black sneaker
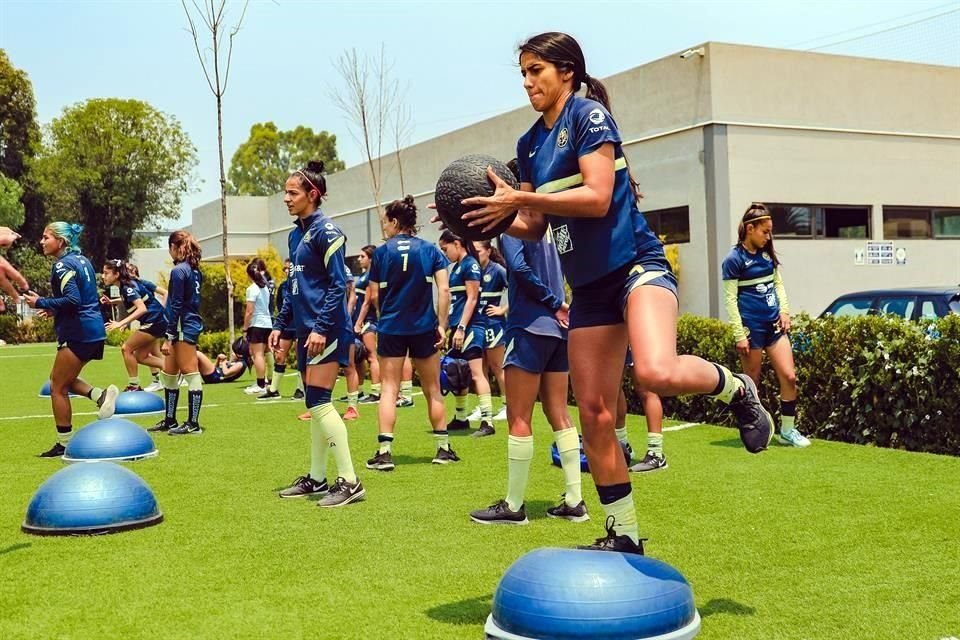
<point>650,462</point>
<point>565,511</point>
<point>627,451</point>
<point>186,429</point>
<point>458,425</point>
<point>342,494</point>
<point>445,456</point>
<point>404,403</point>
<point>500,513</point>
<point>269,395</point>
<point>132,387</point>
<point>298,394</point>
<point>754,422</point>
<point>55,451</point>
<point>381,462</point>
<point>613,542</point>
<point>164,425</point>
<point>342,399</point>
<point>305,486</point>
<point>362,397</point>
<point>486,429</point>
<point>370,398</point>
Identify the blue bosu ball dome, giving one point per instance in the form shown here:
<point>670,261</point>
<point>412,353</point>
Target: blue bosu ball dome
<point>110,439</point>
<point>139,403</point>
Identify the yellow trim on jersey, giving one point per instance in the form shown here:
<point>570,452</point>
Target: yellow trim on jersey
<point>65,279</point>
<point>326,352</point>
<point>430,279</point>
<point>333,249</point>
<point>491,294</point>
<point>576,180</point>
<point>383,285</point>
<point>458,288</point>
<point>733,310</point>
<point>750,283</point>
<point>781,292</point>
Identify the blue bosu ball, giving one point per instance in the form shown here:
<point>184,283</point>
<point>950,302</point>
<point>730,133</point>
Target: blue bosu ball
<point>559,594</point>
<point>45,391</point>
<point>110,439</point>
<point>139,403</point>
<point>584,465</point>
<point>89,498</point>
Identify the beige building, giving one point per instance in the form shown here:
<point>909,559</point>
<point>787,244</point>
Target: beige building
<point>860,159</point>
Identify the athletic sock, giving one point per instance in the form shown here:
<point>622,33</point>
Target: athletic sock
<point>655,443</point>
<point>194,396</point>
<point>617,501</point>
<point>261,382</point>
<point>134,380</point>
<point>300,383</point>
<point>406,389</point>
<point>385,442</point>
<point>568,446</point>
<point>486,406</point>
<point>335,432</point>
<point>460,407</point>
<point>443,439</point>
<point>622,433</point>
<point>352,399</point>
<point>375,388</point>
<point>96,394</point>
<point>278,371</point>
<point>788,414</point>
<point>728,386</point>
<point>519,455</point>
<point>171,393</point>
<point>64,434</point>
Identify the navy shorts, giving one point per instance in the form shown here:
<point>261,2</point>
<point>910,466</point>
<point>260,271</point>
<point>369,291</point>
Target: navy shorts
<point>189,332</point>
<point>85,351</point>
<point>258,335</point>
<point>156,329</point>
<point>288,334</point>
<point>604,301</point>
<point>337,350</point>
<point>493,336</point>
<point>370,326</point>
<point>420,345</point>
<point>761,335</point>
<point>473,341</point>
<point>535,353</point>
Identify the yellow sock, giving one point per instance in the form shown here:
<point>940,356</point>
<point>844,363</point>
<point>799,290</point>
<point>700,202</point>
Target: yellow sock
<point>568,446</point>
<point>375,388</point>
<point>406,389</point>
<point>519,455</point>
<point>460,407</point>
<point>318,451</point>
<point>731,384</point>
<point>625,517</point>
<point>352,399</point>
<point>486,406</point>
<point>335,433</point>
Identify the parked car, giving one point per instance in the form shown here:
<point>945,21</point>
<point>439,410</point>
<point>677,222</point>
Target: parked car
<point>914,303</point>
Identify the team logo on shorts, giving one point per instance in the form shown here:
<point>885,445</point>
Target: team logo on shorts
<point>596,116</point>
<point>561,237</point>
<point>562,138</point>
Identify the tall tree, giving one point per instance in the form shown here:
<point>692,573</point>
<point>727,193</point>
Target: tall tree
<point>115,166</point>
<point>217,72</point>
<point>19,140</point>
<point>262,163</point>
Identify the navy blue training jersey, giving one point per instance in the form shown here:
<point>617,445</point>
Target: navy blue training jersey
<point>183,301</point>
<point>467,270</point>
<point>492,284</point>
<point>534,285</point>
<point>589,248</point>
<point>360,285</point>
<point>75,303</point>
<point>283,292</point>
<point>142,290</point>
<point>318,291</point>
<point>403,268</point>
<point>756,292</point>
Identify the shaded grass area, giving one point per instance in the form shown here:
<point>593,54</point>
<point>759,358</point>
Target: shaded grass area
<point>836,541</point>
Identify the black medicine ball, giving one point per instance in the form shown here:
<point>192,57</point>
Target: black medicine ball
<point>467,178</point>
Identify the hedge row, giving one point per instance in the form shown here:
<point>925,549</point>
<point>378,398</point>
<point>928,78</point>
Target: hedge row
<point>870,380</point>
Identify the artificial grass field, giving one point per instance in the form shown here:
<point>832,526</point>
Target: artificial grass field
<point>836,541</point>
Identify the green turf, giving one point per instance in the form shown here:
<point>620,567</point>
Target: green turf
<point>836,541</point>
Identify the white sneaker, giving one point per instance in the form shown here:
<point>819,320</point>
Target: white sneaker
<point>475,416</point>
<point>109,404</point>
<point>255,390</point>
<point>793,438</point>
<point>153,387</point>
<point>502,414</point>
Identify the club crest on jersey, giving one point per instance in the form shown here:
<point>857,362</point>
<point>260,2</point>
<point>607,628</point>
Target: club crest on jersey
<point>562,138</point>
<point>766,256</point>
<point>306,237</point>
<point>596,116</point>
<point>487,278</point>
<point>561,237</point>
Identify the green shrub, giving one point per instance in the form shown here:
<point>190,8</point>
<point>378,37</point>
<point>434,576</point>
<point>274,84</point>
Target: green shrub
<point>214,342</point>
<point>875,380</point>
<point>9,330</point>
<point>116,337</point>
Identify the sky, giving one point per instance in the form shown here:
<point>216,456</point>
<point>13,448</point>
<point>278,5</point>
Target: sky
<point>455,60</point>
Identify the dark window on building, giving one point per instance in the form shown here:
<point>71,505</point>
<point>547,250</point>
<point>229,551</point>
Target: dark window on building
<point>672,225</point>
<point>921,222</point>
<point>820,221</point>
